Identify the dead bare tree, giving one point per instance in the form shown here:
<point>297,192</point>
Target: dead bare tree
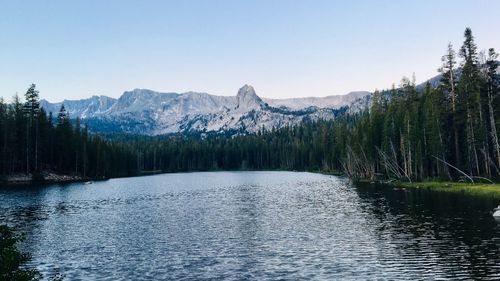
<point>460,171</point>
<point>358,166</point>
<point>392,166</point>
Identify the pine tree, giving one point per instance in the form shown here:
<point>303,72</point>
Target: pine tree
<point>448,82</point>
<point>64,140</point>
<point>62,116</point>
<point>3,136</point>
<point>470,99</point>
<point>492,84</point>
<point>31,108</point>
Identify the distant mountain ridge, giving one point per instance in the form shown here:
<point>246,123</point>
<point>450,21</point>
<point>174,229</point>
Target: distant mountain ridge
<point>335,101</point>
<point>143,111</point>
<point>81,108</point>
<point>436,80</point>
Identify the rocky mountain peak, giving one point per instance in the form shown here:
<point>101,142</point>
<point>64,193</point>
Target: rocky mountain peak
<point>248,99</point>
<point>246,90</point>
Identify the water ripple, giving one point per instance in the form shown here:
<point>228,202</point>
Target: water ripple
<point>252,226</point>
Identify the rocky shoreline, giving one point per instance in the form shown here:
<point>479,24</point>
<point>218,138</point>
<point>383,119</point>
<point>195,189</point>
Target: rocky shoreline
<point>45,177</point>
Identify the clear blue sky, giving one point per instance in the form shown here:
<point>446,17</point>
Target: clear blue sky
<point>74,49</point>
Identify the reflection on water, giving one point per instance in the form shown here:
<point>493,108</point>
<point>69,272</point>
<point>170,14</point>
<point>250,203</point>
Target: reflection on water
<point>452,232</point>
<point>254,226</point>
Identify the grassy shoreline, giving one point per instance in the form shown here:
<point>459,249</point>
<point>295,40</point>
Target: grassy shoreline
<point>478,189</point>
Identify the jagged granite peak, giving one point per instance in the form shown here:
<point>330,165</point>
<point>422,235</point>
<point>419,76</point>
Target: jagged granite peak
<point>246,92</point>
<point>247,99</point>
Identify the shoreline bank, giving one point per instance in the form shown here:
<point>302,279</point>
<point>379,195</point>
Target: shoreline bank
<point>469,189</point>
<point>476,189</point>
<point>43,178</point>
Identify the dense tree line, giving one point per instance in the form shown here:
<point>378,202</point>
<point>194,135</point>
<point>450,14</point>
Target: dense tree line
<point>448,131</point>
<point>310,146</point>
<point>445,132</point>
<point>34,142</point>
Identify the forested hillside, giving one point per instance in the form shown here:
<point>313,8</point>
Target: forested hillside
<point>446,132</point>
<point>32,142</point>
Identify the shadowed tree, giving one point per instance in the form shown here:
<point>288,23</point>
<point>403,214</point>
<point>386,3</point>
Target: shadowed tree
<point>31,109</point>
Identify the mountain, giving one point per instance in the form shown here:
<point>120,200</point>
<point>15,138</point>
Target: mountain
<point>436,80</point>
<point>143,111</point>
<point>81,108</point>
<point>320,102</point>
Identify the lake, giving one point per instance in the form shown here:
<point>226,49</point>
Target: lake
<point>252,226</point>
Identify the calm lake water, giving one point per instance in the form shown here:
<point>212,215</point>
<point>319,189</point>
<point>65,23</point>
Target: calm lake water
<point>252,226</point>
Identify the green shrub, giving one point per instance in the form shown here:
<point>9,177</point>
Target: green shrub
<point>12,261</point>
